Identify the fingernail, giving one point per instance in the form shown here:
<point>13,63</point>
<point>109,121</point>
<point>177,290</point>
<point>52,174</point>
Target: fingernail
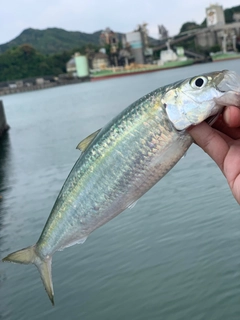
<point>226,116</point>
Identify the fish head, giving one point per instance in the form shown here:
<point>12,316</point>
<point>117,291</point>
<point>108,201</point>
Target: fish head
<point>192,101</point>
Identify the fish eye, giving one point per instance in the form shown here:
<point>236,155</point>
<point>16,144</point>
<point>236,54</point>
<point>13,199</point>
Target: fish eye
<point>199,82</point>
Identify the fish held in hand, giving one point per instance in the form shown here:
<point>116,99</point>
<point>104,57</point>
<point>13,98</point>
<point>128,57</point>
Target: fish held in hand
<point>123,160</point>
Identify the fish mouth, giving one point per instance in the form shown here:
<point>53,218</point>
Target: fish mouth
<point>229,81</point>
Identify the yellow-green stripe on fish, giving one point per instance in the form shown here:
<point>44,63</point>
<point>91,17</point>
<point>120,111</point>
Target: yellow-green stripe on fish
<point>124,159</point>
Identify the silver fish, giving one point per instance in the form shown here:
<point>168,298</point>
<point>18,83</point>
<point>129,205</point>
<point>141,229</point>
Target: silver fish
<point>124,159</point>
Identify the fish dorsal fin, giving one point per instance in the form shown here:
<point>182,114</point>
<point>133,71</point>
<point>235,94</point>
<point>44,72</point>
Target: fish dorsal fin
<point>82,146</point>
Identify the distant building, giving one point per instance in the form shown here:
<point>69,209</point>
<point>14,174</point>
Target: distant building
<point>134,40</point>
<point>100,61</point>
<point>125,57</point>
<point>102,50</point>
<point>168,55</point>
<point>217,31</point>
<point>108,37</point>
<point>163,33</point>
<point>82,66</point>
<point>39,81</point>
<point>12,85</point>
<point>78,66</point>
<point>138,42</point>
<point>236,16</point>
<point>215,16</point>
<point>71,66</point>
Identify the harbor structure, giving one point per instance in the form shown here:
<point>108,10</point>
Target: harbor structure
<point>71,66</point>
<point>139,44</point>
<point>109,39</point>
<point>163,32</point>
<point>218,32</point>
<point>81,66</point>
<point>100,61</point>
<point>3,122</point>
<point>169,55</point>
<point>77,66</point>
<point>135,41</point>
<point>215,16</point>
<point>217,37</point>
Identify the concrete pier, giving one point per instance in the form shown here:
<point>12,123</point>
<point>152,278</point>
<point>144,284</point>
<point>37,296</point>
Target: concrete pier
<point>3,123</point>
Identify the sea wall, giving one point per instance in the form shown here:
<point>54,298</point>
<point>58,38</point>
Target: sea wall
<point>3,123</point>
<point>32,87</point>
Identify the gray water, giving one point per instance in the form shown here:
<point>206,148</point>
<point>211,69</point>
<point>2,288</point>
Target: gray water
<point>174,256</point>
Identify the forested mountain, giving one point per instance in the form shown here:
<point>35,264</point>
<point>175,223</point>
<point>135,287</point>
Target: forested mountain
<point>52,40</point>
<point>55,40</point>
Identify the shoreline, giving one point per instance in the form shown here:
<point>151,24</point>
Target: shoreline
<point>6,90</point>
<point>136,72</point>
<point>226,58</point>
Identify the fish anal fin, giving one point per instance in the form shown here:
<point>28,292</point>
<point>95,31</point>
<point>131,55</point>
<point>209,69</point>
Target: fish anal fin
<point>72,243</point>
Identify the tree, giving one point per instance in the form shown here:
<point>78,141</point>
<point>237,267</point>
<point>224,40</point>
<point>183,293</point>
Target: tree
<point>189,26</point>
<point>26,62</point>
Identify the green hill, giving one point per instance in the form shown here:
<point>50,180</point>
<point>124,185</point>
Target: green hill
<point>52,40</point>
<point>55,40</point>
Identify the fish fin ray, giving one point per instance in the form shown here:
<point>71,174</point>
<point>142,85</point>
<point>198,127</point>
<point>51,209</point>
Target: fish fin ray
<point>82,146</point>
<point>81,241</point>
<point>132,205</point>
<point>70,244</point>
<point>29,255</point>
<point>185,154</point>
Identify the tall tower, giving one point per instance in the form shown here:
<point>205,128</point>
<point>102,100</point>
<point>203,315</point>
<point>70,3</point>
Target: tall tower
<point>215,16</point>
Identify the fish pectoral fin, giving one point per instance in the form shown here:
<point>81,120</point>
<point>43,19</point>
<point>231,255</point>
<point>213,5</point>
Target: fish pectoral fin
<point>30,255</point>
<point>82,146</point>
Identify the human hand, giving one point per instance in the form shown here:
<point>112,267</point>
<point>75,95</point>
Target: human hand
<point>222,143</point>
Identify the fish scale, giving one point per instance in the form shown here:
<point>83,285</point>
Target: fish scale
<point>123,160</point>
<point>116,185</point>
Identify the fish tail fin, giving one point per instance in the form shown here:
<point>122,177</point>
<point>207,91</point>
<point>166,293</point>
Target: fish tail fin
<point>30,255</point>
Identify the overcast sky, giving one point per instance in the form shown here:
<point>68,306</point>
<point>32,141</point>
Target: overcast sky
<point>93,15</point>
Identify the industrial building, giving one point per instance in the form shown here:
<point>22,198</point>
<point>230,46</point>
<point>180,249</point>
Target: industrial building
<point>100,61</point>
<point>78,66</point>
<point>137,41</point>
<point>135,49</point>
<point>217,31</point>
